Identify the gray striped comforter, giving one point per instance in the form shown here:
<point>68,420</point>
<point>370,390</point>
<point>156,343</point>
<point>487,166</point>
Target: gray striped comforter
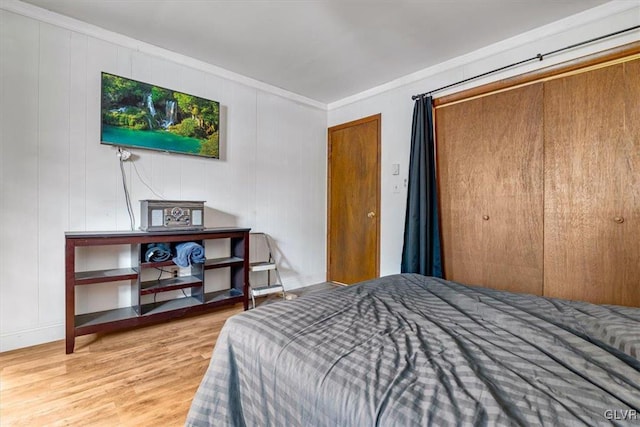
<point>408,350</point>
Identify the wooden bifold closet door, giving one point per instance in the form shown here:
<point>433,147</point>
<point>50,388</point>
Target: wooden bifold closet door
<point>540,186</point>
<point>490,170</point>
<point>592,182</point>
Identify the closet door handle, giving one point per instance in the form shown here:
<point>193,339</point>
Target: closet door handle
<point>485,217</point>
<point>619,219</point>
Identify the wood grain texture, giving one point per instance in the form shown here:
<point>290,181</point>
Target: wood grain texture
<point>513,190</point>
<point>629,164</point>
<point>354,192</point>
<point>490,171</point>
<point>146,376</point>
<point>460,159</point>
<point>592,197</point>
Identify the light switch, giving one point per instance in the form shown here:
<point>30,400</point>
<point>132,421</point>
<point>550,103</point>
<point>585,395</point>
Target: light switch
<point>395,169</point>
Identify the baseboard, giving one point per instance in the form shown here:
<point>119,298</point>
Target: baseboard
<point>31,337</point>
<point>299,281</point>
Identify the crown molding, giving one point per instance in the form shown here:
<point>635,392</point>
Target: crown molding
<point>72,24</point>
<point>563,25</point>
<point>566,24</point>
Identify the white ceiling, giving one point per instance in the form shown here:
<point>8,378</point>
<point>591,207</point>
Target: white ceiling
<point>325,50</point>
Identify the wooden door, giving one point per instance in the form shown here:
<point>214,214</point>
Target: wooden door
<point>353,247</point>
<point>490,158</point>
<point>460,157</point>
<point>592,182</point>
<point>513,218</point>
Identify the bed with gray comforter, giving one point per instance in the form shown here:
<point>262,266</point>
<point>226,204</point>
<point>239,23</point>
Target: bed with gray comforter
<point>409,350</point>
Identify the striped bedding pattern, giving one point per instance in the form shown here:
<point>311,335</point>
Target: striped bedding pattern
<point>410,350</point>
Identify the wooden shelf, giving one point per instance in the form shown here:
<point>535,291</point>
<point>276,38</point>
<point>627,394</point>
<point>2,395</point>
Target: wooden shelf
<point>170,305</point>
<point>107,316</point>
<point>222,262</point>
<point>172,284</point>
<point>103,276</point>
<point>208,264</point>
<point>218,296</point>
<point>121,318</point>
<point>139,314</point>
<point>167,263</point>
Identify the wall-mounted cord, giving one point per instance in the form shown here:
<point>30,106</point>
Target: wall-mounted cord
<point>162,270</point>
<point>123,156</point>
<point>144,182</point>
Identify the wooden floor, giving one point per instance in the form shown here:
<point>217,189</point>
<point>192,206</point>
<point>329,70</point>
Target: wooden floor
<point>140,377</point>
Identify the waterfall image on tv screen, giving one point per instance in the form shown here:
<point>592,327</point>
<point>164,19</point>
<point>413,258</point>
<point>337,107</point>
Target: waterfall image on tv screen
<point>141,115</point>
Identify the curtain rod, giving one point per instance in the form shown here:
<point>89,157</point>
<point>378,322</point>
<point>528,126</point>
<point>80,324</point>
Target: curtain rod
<point>538,57</point>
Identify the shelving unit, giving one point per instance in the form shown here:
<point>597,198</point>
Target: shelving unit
<point>140,313</point>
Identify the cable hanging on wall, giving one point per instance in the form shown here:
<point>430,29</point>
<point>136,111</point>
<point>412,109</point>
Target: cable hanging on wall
<point>123,156</point>
<point>538,57</point>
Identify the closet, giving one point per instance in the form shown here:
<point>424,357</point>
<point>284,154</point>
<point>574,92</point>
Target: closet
<point>539,185</point>
<point>491,182</point>
<point>592,185</point>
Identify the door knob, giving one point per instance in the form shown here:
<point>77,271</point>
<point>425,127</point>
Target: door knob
<point>485,217</point>
<point>619,219</point>
<point>371,214</point>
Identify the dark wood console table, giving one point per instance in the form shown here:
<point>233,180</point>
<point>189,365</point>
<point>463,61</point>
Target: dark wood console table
<point>141,313</point>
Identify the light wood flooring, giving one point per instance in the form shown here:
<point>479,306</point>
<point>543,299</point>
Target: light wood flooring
<point>140,377</point>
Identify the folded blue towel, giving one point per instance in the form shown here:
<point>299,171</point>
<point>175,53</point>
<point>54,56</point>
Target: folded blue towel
<point>187,253</point>
<point>157,252</point>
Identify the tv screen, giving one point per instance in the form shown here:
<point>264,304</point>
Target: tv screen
<point>141,115</point>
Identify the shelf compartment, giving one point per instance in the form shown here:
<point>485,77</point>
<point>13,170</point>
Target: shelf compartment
<point>167,263</point>
<point>172,284</point>
<point>102,317</point>
<point>170,305</point>
<point>223,262</point>
<point>223,295</point>
<point>102,276</point>
<point>116,319</point>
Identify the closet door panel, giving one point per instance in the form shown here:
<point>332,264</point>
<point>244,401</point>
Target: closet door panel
<point>513,189</point>
<point>629,163</point>
<point>460,158</point>
<point>591,232</point>
<point>490,163</point>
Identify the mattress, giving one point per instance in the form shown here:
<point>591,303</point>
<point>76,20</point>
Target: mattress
<point>407,350</point>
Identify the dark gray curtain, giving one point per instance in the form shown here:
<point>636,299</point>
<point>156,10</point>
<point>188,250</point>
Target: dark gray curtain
<point>421,249</point>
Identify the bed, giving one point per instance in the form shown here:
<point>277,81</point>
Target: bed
<point>407,350</point>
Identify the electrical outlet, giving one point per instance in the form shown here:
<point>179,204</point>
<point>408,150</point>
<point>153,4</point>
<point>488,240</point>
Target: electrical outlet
<point>174,272</point>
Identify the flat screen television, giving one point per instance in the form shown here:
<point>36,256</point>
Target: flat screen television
<point>141,115</point>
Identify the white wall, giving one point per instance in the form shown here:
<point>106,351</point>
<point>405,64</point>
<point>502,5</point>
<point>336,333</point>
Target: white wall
<point>56,176</point>
<point>393,99</point>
